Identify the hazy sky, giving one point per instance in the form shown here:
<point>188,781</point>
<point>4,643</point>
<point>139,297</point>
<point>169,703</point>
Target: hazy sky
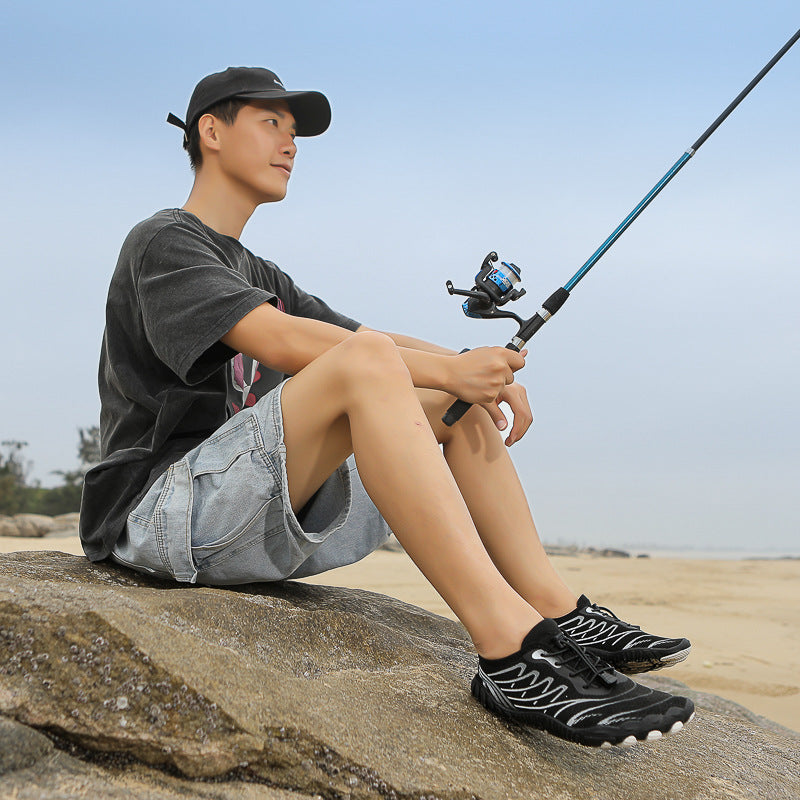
<point>666,391</point>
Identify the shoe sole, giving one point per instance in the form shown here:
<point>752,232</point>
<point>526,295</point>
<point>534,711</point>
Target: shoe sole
<point>636,661</point>
<point>589,737</point>
<point>653,736</point>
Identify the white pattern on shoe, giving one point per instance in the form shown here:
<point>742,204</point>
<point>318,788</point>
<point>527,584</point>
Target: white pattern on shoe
<point>596,625</point>
<point>626,647</point>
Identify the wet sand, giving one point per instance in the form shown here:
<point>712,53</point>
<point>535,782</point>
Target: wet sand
<point>741,616</point>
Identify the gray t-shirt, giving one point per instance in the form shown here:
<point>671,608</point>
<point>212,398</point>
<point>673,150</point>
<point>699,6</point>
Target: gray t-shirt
<point>166,381</point>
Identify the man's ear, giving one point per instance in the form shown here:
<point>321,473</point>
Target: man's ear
<point>208,128</point>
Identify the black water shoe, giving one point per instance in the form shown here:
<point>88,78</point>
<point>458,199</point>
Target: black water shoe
<point>554,685</point>
<point>626,647</point>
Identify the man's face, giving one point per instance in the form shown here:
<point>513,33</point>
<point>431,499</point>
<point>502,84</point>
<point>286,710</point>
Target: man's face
<point>257,152</point>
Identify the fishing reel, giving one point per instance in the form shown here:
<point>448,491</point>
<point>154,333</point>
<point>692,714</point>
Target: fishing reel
<point>494,287</point>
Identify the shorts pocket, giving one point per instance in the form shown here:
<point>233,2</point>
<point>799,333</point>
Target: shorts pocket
<point>236,437</point>
<point>227,504</point>
<point>262,550</point>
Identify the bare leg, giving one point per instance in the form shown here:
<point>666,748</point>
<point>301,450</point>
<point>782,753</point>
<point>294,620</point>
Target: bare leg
<point>488,481</point>
<point>358,397</point>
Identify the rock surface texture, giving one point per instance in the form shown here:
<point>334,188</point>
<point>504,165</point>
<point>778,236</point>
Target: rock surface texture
<point>113,685</point>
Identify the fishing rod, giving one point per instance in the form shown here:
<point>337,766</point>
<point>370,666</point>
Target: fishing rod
<point>495,286</point>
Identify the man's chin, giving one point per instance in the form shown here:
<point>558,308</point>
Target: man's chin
<point>273,197</point>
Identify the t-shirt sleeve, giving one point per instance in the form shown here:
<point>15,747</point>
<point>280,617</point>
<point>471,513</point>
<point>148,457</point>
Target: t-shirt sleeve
<point>302,304</point>
<point>189,298</point>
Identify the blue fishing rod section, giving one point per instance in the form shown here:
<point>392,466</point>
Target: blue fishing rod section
<point>622,227</point>
<point>573,281</point>
<point>487,303</point>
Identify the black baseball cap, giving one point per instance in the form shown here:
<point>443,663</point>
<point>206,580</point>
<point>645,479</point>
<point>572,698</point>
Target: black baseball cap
<point>311,110</point>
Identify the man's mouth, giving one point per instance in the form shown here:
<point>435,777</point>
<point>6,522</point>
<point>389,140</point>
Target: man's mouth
<point>284,167</point>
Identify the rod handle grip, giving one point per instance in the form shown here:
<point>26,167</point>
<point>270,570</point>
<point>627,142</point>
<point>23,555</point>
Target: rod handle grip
<point>455,412</point>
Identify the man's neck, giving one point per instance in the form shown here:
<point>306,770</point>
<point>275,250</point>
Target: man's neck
<point>218,207</point>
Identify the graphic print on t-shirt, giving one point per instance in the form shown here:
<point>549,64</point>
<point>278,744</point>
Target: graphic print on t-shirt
<point>245,384</point>
<point>243,373</point>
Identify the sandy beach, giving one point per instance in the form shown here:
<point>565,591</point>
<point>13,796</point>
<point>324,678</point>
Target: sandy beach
<point>741,616</point>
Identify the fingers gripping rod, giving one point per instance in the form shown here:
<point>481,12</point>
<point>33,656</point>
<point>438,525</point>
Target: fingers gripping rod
<point>560,296</point>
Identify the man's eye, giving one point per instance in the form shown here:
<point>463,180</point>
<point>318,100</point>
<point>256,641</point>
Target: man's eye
<point>272,120</point>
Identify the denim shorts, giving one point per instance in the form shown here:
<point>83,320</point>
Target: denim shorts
<point>221,515</point>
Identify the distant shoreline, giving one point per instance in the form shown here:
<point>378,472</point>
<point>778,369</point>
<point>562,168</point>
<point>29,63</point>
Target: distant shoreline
<point>702,554</point>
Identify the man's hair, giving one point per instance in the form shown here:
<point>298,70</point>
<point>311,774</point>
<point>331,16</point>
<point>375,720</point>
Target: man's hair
<point>227,111</point>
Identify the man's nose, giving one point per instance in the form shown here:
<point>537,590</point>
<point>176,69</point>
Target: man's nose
<point>289,146</point>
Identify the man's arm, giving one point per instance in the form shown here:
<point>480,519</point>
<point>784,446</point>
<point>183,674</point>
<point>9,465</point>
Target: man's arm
<point>287,344</point>
<point>411,343</point>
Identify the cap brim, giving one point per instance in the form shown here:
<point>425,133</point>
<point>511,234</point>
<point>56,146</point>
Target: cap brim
<point>311,110</point>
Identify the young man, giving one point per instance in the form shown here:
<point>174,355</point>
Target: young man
<point>218,470</point>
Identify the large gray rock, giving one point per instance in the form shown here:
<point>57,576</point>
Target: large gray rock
<point>331,692</point>
<point>68,521</point>
<point>27,525</point>
<point>8,527</point>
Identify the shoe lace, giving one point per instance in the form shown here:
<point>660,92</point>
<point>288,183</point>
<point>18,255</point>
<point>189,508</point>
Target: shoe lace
<point>580,663</point>
<point>610,613</point>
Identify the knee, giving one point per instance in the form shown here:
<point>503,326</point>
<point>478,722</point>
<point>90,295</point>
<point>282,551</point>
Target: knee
<point>371,358</point>
<point>371,346</point>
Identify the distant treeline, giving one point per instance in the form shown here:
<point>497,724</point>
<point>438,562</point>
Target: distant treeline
<point>19,495</point>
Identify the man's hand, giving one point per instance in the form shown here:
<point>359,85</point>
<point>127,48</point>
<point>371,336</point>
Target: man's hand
<point>479,375</point>
<point>486,376</point>
<point>517,399</point>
